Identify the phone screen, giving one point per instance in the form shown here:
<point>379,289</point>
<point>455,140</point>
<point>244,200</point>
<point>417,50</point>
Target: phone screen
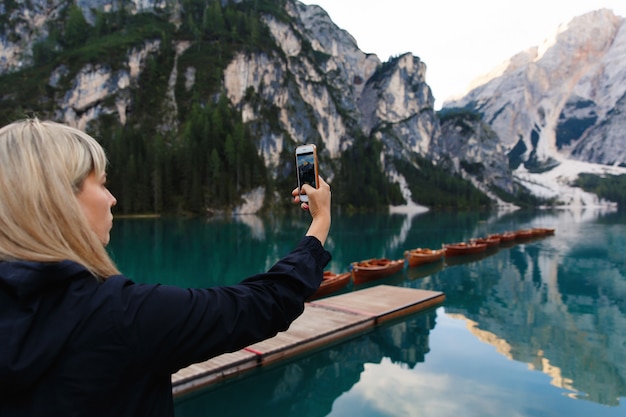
<point>306,169</point>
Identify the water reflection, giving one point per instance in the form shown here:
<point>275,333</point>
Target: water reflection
<point>556,305</point>
<point>308,387</point>
<point>201,252</point>
<point>425,270</point>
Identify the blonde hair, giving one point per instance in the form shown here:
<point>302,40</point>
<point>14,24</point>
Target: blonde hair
<point>42,166</point>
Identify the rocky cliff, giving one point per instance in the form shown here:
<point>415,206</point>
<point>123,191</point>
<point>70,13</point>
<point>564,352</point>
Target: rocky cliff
<point>330,92</point>
<point>308,82</point>
<point>562,99</point>
<point>314,85</point>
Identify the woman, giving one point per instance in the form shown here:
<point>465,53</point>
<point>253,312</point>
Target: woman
<point>77,338</point>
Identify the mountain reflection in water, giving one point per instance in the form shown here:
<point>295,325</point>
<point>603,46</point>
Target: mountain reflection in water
<point>556,305</point>
<point>308,387</point>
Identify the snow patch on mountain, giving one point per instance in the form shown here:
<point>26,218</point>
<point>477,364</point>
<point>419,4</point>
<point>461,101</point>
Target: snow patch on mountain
<point>557,183</point>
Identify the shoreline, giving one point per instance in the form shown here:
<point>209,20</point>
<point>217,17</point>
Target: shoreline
<point>136,216</point>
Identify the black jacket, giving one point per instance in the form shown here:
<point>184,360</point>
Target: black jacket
<point>71,346</point>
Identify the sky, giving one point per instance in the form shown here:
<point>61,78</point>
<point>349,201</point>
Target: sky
<point>458,40</point>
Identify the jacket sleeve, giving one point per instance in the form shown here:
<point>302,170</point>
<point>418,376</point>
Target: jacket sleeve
<point>172,327</point>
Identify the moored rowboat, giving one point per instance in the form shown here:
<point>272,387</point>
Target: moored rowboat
<point>491,241</point>
<point>422,256</point>
<point>542,231</point>
<point>524,234</point>
<point>374,268</point>
<point>507,239</point>
<point>505,236</point>
<point>463,248</point>
<point>331,282</point>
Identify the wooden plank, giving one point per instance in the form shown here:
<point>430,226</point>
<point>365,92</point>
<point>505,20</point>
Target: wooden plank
<point>323,322</point>
<point>204,373</point>
<point>316,327</point>
<point>384,302</point>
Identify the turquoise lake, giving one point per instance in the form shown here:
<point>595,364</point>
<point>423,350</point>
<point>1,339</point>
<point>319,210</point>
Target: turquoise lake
<point>537,328</point>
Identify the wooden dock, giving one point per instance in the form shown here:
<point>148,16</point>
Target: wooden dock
<point>324,321</point>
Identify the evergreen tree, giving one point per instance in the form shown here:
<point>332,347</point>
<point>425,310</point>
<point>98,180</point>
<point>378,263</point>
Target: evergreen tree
<point>77,30</point>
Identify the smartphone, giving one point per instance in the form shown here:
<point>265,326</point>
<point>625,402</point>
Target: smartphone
<point>306,168</point>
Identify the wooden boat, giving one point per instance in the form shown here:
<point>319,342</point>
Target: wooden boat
<point>422,256</point>
<point>331,283</point>
<point>505,236</point>
<point>542,231</point>
<point>524,234</point>
<point>491,241</point>
<point>463,248</point>
<point>374,268</point>
<point>507,239</point>
<point>465,259</point>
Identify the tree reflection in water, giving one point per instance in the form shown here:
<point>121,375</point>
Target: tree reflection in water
<point>308,387</point>
<point>558,303</point>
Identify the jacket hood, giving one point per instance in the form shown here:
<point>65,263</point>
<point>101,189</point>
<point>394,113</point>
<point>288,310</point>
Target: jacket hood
<point>32,326</point>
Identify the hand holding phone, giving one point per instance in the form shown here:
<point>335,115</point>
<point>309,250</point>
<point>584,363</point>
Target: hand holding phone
<point>307,168</point>
<point>318,205</point>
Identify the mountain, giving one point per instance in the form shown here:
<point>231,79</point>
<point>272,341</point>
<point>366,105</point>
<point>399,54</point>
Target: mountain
<point>203,102</point>
<point>200,105</point>
<point>559,102</point>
